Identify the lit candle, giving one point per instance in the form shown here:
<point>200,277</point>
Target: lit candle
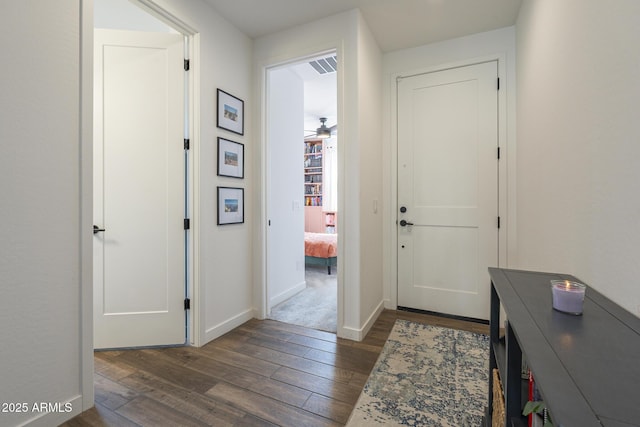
<point>568,297</point>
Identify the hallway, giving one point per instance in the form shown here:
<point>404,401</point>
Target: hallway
<point>263,373</point>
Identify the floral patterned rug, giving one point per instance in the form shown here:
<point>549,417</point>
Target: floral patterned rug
<point>426,376</point>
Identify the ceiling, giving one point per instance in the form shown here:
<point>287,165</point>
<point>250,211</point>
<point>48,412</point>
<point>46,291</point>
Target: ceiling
<point>320,96</point>
<point>396,24</point>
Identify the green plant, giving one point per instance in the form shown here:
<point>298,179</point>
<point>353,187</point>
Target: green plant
<point>537,407</point>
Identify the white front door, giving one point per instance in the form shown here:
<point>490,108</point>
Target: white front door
<point>139,258</point>
<point>448,189</point>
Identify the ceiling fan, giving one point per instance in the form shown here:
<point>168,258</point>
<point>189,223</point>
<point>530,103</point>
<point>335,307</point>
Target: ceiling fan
<point>323,132</point>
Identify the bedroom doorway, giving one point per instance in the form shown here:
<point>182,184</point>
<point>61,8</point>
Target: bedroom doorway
<point>302,138</point>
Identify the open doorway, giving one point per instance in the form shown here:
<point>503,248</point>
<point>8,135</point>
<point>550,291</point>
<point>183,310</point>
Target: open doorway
<point>302,258</point>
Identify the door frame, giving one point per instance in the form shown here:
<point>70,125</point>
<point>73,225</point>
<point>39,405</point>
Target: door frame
<point>195,319</point>
<point>506,199</point>
<point>263,163</point>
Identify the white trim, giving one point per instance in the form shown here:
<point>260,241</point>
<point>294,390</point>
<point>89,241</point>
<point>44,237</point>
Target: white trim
<point>360,334</point>
<point>261,160</point>
<point>198,310</point>
<point>228,325</point>
<point>343,212</point>
<point>171,20</point>
<point>86,207</point>
<point>283,296</point>
<point>392,293</point>
<point>47,419</point>
<point>505,147</point>
<point>506,175</point>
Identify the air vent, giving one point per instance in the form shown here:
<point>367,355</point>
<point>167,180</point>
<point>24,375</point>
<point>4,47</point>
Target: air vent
<point>325,65</point>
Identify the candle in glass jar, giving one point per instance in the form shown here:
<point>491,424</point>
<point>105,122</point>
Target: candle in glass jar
<point>568,296</point>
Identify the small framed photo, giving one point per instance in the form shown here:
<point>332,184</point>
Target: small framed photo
<point>230,112</point>
<point>230,158</point>
<point>230,205</point>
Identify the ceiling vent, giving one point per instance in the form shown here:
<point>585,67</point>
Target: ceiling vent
<point>325,65</point>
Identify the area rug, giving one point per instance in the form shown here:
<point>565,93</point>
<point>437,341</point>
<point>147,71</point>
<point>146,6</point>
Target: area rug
<point>426,376</point>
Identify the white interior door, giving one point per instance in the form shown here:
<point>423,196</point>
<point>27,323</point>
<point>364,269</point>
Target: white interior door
<point>448,189</point>
<point>139,258</point>
<point>285,204</point>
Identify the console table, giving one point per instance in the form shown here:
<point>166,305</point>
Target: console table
<point>586,367</point>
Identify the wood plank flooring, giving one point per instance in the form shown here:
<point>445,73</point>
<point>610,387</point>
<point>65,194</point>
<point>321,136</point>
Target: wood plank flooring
<point>263,373</point>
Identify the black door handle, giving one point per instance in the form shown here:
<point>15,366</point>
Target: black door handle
<point>97,229</point>
<point>404,223</point>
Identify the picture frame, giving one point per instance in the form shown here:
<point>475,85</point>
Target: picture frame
<point>230,205</point>
<point>230,158</point>
<point>230,112</point>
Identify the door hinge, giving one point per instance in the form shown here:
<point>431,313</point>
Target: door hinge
<point>498,83</point>
<point>498,153</point>
<point>498,222</point>
<point>187,224</point>
<point>187,304</point>
<point>187,64</point>
<point>187,144</point>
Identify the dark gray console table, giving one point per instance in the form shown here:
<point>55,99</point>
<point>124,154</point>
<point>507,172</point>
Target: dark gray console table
<point>586,367</point>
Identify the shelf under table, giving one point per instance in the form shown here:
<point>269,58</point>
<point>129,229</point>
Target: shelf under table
<point>585,366</point>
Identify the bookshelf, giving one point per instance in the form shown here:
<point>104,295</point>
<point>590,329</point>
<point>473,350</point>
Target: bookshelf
<point>313,176</point>
<point>585,367</point>
<point>317,220</point>
<point>330,222</point>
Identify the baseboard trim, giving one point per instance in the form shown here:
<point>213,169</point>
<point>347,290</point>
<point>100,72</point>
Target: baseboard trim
<point>283,296</point>
<point>355,334</point>
<point>66,411</point>
<point>226,326</point>
<point>372,319</point>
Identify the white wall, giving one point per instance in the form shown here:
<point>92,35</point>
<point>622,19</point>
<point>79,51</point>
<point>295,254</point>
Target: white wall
<point>341,33</point>
<point>370,157</point>
<point>45,237</point>
<point>223,253</point>
<point>285,200</point>
<point>578,150</point>
<point>498,44</point>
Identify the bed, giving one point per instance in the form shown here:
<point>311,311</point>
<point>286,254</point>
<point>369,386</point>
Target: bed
<point>321,249</point>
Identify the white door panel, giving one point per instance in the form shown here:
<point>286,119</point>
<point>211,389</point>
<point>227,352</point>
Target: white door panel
<point>447,181</point>
<point>138,189</point>
<point>438,249</point>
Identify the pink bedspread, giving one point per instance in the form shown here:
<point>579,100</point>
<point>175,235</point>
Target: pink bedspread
<point>320,245</point>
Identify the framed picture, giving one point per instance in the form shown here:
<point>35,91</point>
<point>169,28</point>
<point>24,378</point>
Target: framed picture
<point>230,112</point>
<point>230,205</point>
<point>230,158</point>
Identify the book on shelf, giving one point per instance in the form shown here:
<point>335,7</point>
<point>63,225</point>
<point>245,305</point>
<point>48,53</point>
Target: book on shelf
<point>313,201</point>
<point>535,419</point>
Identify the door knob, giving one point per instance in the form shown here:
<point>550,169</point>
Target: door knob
<point>404,223</point>
<point>97,229</point>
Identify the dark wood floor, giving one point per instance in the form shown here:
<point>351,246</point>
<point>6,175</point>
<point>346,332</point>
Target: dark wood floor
<point>263,373</point>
